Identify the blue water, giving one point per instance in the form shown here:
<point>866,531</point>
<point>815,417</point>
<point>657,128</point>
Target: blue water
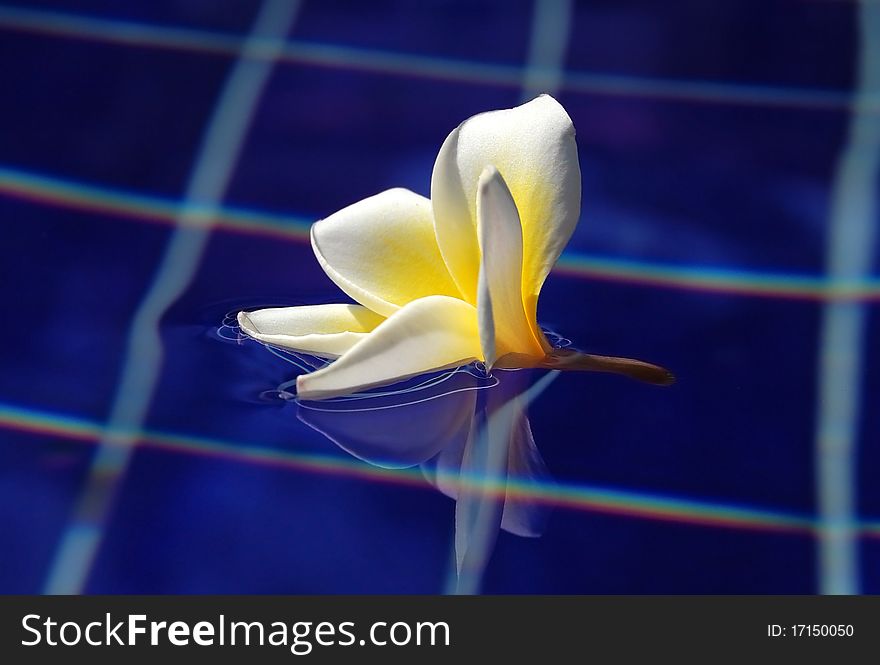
<point>733,184</point>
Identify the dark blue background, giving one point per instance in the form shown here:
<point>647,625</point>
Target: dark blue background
<point>740,184</point>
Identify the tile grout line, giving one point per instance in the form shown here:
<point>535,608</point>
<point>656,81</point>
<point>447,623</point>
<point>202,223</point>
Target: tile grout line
<point>212,42</point>
<point>79,429</point>
<point>55,192</point>
<point>852,237</point>
<point>548,47</point>
<point>543,73</point>
<point>213,167</point>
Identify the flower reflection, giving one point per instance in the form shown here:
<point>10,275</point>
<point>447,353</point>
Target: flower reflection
<point>471,437</point>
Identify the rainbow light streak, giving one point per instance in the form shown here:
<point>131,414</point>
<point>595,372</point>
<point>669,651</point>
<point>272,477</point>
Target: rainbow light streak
<point>72,195</point>
<point>208,42</point>
<point>567,496</point>
<point>719,280</point>
<point>67,194</point>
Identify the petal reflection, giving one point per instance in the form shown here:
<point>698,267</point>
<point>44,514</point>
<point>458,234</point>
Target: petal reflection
<point>399,430</point>
<point>501,449</point>
<point>472,439</point>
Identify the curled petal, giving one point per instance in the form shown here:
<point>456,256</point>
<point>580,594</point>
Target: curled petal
<point>431,333</point>
<point>533,147</point>
<point>504,328</point>
<point>382,251</point>
<point>321,330</point>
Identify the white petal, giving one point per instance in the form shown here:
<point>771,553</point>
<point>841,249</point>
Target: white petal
<point>382,251</point>
<point>504,328</point>
<point>431,333</point>
<point>321,330</point>
<point>533,146</point>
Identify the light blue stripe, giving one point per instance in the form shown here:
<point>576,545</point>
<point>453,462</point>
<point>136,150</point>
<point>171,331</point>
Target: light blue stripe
<point>216,160</point>
<point>852,238</point>
<point>548,46</point>
<point>475,528</point>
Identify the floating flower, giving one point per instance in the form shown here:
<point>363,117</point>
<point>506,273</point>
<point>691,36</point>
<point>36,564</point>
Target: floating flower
<point>451,280</point>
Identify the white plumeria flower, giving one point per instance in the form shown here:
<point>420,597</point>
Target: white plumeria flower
<point>451,280</point>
